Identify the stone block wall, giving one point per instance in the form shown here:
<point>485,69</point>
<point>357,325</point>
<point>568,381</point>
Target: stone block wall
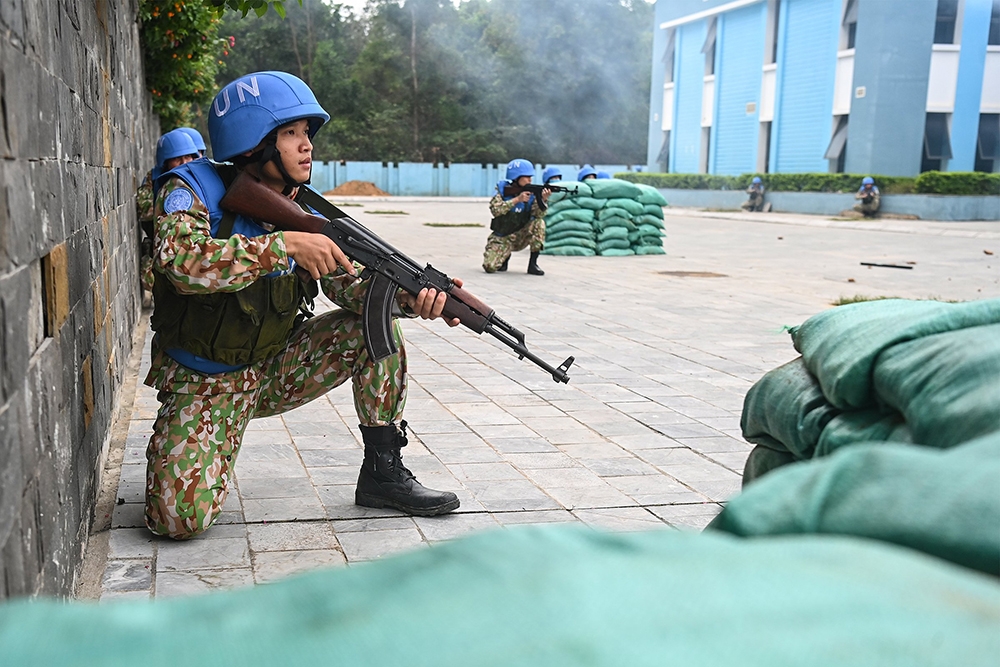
<point>76,136</point>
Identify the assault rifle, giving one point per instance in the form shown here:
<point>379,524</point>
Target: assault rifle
<point>388,268</point>
<point>513,190</point>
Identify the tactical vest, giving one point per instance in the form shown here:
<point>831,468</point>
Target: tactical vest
<point>513,220</point>
<point>232,329</point>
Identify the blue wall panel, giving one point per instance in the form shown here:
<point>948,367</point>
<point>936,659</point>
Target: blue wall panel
<point>737,82</point>
<point>807,62</point>
<point>969,89</point>
<point>686,135</point>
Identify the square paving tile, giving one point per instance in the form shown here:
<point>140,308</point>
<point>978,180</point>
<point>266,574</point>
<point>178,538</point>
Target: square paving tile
<point>302,536</point>
<point>269,566</point>
<point>370,545</point>
<point>219,554</point>
<point>183,584</point>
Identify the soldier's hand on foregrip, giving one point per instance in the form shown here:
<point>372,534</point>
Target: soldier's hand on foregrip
<point>316,253</point>
<point>430,303</point>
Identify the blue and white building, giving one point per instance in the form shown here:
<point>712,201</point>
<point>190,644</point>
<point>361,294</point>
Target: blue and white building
<point>892,87</point>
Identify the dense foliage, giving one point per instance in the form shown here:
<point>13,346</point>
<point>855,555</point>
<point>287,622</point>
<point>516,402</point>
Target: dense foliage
<point>480,81</point>
<point>931,182</point>
<point>183,51</point>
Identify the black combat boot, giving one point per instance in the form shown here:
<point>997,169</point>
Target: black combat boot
<point>533,265</point>
<point>503,267</point>
<point>385,482</point>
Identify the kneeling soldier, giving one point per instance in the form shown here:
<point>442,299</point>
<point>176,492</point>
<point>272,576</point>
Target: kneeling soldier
<point>231,343</point>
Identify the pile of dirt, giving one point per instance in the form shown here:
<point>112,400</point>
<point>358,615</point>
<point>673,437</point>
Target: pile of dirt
<point>357,189</point>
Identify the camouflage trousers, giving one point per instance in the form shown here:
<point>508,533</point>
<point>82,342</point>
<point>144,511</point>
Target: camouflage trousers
<point>869,209</point>
<point>196,437</point>
<point>754,203</point>
<point>499,248</point>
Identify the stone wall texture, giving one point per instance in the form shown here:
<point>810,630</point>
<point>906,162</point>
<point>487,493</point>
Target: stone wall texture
<point>76,134</point>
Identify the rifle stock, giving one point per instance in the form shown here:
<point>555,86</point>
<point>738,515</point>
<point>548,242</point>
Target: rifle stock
<point>389,268</point>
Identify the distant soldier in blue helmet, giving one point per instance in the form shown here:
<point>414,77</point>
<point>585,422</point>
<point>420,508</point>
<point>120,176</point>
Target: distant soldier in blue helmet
<point>586,173</point>
<point>172,150</point>
<point>551,175</point>
<point>603,175</point>
<point>755,199</point>
<point>868,198</point>
<point>199,141</point>
<point>235,338</point>
<point>518,221</point>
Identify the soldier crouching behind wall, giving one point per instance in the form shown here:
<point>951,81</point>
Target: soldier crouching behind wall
<point>234,339</point>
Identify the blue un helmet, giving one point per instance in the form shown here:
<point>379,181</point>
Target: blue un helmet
<point>603,174</point>
<point>756,180</point>
<point>248,112</point>
<point>171,145</point>
<point>199,141</point>
<point>585,172</point>
<point>551,173</point>
<point>867,180</point>
<point>518,168</point>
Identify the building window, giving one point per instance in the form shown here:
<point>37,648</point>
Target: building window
<point>988,142</point>
<point>944,26</point>
<point>937,143</point>
<point>849,24</point>
<point>668,56</point>
<point>663,159</point>
<point>771,34</point>
<point>708,48</point>
<point>994,38</point>
<point>836,151</point>
<point>764,147</point>
<point>706,147</point>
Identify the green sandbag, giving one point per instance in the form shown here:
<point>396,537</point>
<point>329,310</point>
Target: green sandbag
<point>614,221</point>
<point>613,188</point>
<point>564,205</point>
<point>632,206</point>
<point>650,220</point>
<point>840,345</point>
<point>613,233</point>
<point>582,190</point>
<point>553,595</point>
<point>569,225</point>
<point>858,426</point>
<point>649,250</point>
<point>575,242</point>
<point>613,244</point>
<point>617,252</point>
<point>570,251</point>
<point>653,210</point>
<point>947,386</point>
<point>579,214</point>
<point>613,212</point>
<point>590,202</point>
<point>768,455</point>
<point>639,238</point>
<point>649,230</point>
<point>561,238</point>
<point>650,195</point>
<point>786,406</point>
<point>943,503</point>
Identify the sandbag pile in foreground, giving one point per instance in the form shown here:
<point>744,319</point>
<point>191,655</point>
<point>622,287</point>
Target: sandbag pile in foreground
<point>607,217</point>
<point>921,372</point>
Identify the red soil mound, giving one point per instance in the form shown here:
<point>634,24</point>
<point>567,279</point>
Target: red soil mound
<point>357,189</point>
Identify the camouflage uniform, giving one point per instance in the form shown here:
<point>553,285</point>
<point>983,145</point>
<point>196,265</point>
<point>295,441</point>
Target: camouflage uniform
<point>144,212</point>
<point>499,248</point>
<point>756,200</point>
<point>200,424</point>
<point>870,207</point>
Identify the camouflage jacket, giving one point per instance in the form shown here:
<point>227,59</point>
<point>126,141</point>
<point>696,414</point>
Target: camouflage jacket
<point>144,201</point>
<point>499,206</point>
<point>194,262</point>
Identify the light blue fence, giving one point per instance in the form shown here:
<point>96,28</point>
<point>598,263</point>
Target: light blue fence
<point>423,179</point>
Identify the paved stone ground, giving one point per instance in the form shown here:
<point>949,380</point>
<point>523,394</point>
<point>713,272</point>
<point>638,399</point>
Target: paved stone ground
<point>646,435</point>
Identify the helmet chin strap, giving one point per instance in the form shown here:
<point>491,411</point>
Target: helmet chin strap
<point>270,153</point>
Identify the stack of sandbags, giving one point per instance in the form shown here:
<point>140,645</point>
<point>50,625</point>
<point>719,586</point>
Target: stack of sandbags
<point>648,236</point>
<point>614,222</point>
<point>921,372</point>
<point>569,218</point>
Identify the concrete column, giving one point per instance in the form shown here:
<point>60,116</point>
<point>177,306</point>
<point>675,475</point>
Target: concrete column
<point>968,91</point>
